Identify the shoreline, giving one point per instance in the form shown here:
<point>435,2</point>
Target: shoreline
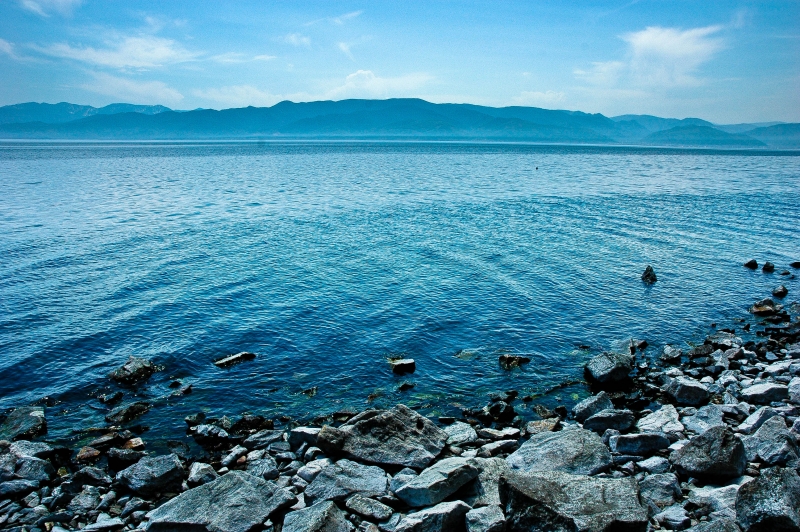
<point>394,470</point>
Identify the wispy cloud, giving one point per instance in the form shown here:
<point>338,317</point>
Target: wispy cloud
<point>341,19</point>
<point>238,96</point>
<point>345,48</point>
<point>366,84</point>
<point>539,98</point>
<point>236,58</point>
<point>45,8</point>
<point>658,57</point>
<point>7,48</point>
<point>297,39</point>
<point>141,52</point>
<point>142,92</point>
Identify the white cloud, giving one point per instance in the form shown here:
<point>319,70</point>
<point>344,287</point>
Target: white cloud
<point>602,72</point>
<point>365,84</point>
<point>345,48</point>
<point>235,57</point>
<point>238,96</point>
<point>264,57</point>
<point>7,48</point>
<point>142,92</point>
<point>341,19</point>
<point>45,7</point>
<point>539,98</point>
<point>297,39</point>
<point>132,52</point>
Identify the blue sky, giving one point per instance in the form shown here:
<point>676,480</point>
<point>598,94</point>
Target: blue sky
<point>724,61</point>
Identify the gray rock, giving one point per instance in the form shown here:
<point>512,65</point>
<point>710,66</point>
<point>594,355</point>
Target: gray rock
<point>756,419</point>
<point>714,455</point>
<point>486,519</point>
<point>671,354</point>
<point>106,525</point>
<point>765,393</point>
<point>609,368</point>
<point>659,491</point>
<point>444,517</point>
<point>705,418</point>
<point>300,435</point>
<point>35,449</point>
<point>504,434</point>
<point>496,447</point>
<point>16,488</point>
<point>30,468</point>
<point>152,475</point>
<point>233,455</point>
<point>437,482</point>
<point>719,502</point>
<point>483,491</point>
<point>654,464</point>
<point>344,479</point>
<point>686,391</point>
<point>403,476</point>
<point>24,423</point>
<point>590,406</point>
<point>717,525</point>
<point>673,518</point>
<point>399,437</point>
<point>93,476</point>
<point>232,360</point>
<point>200,473</point>
<point>321,517</point>
<point>310,471</point>
<point>560,502</point>
<point>770,502</point>
<point>664,420</point>
<point>369,508</point>
<point>265,467</point>
<point>621,420</point>
<point>235,502</point>
<point>133,371</point>
<point>573,450</point>
<point>85,501</point>
<point>794,390</point>
<point>642,444</point>
<point>127,412</point>
<point>542,425</point>
<point>460,433</point>
<point>772,444</point>
<point>263,439</point>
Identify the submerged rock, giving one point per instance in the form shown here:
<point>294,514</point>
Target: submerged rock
<point>235,502</point>
<point>560,502</point>
<point>124,413</point>
<point>24,423</point>
<point>513,361</point>
<point>751,264</point>
<point>133,371</point>
<point>399,437</point>
<point>577,451</point>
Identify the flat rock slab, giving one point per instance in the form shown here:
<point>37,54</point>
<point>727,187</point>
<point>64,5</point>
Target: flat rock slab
<point>705,418</point>
<point>396,437</point>
<point>576,451</point>
<point>235,502</point>
<point>437,482</point>
<point>152,474</point>
<point>444,517</point>
<point>24,423</point>
<point>643,444</point>
<point>560,502</point>
<point>346,478</point>
<point>610,418</point>
<point>765,393</point>
<point>715,455</point>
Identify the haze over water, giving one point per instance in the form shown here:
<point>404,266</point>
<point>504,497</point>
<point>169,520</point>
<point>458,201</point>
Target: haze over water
<point>327,258</point>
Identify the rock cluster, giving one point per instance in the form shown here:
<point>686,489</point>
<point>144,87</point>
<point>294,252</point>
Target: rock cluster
<point>705,439</point>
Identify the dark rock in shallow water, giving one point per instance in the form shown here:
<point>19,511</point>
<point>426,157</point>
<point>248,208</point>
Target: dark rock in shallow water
<point>152,475</point>
<point>402,366</point>
<point>125,413</point>
<point>560,502</point>
<point>609,368</point>
<point>768,267</point>
<point>399,437</point>
<point>752,264</point>
<point>649,275</point>
<point>572,450</point>
<point>24,423</point>
<point>771,502</point>
<point>590,406</point>
<point>715,455</point>
<point>437,482</point>
<point>345,478</point>
<point>235,502</point>
<point>795,264</point>
<point>232,360</point>
<point>781,291</point>
<point>133,371</point>
<point>512,361</point>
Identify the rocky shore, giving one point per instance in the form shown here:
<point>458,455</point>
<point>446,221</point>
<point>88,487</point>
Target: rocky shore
<point>704,438</point>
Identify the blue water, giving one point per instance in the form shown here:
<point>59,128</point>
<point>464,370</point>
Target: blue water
<point>325,259</point>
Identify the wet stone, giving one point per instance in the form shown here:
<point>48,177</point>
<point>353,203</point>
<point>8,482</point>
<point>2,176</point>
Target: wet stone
<point>124,413</point>
<point>444,517</point>
<point>609,368</point>
<point>133,371</point>
<point>24,423</point>
<point>233,360</point>
<point>152,475</point>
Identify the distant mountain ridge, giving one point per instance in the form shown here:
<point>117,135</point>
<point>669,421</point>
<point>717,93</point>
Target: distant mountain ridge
<point>398,118</point>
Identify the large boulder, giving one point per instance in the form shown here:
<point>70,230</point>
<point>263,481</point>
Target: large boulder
<point>765,393</point>
<point>235,502</point>
<point>437,482</point>
<point>152,474</point>
<point>24,423</point>
<point>686,391</point>
<point>715,455</point>
<point>344,479</point>
<point>664,420</point>
<point>772,444</point>
<point>574,450</point>
<point>560,502</point>
<point>771,502</point>
<point>590,406</point>
<point>396,437</point>
<point>444,517</point>
<point>321,517</point>
<point>133,371</point>
<point>609,368</point>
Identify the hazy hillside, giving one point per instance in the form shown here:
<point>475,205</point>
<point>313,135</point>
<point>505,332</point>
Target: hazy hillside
<point>400,118</point>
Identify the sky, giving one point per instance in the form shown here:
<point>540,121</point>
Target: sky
<point>727,62</point>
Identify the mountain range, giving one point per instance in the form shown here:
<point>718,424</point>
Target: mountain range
<point>400,119</point>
